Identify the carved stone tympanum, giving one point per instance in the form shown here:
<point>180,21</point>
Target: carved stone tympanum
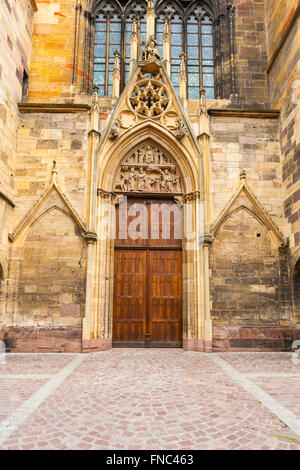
<point>148,170</point>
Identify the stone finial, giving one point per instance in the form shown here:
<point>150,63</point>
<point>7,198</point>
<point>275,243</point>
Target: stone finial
<point>166,26</point>
<point>95,90</point>
<point>202,92</point>
<point>150,19</point>
<point>182,57</point>
<point>134,25</point>
<point>230,7</point>
<point>133,43</point>
<point>116,75</point>
<point>150,5</point>
<point>183,77</point>
<point>117,62</point>
<point>95,98</point>
<point>243,175</point>
<point>54,171</point>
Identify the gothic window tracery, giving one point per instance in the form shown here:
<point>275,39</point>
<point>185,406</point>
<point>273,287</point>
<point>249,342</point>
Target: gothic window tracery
<point>113,26</point>
<point>191,32</point>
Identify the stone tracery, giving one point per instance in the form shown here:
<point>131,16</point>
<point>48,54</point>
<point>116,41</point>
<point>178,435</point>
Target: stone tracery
<point>149,97</point>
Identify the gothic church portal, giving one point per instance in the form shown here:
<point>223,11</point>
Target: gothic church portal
<point>177,118</point>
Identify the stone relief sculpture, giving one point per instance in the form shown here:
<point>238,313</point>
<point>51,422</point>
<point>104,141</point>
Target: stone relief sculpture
<point>148,170</point>
<point>115,129</point>
<point>150,51</point>
<point>181,129</point>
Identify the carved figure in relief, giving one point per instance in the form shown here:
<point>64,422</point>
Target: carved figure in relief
<point>121,183</point>
<point>176,184</point>
<point>131,180</point>
<point>140,156</point>
<point>149,181</point>
<point>181,129</point>
<point>141,178</point>
<point>166,181</point>
<point>149,155</point>
<point>156,156</point>
<point>115,129</point>
<point>148,169</point>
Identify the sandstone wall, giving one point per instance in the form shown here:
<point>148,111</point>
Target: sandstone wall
<point>16,20</point>
<point>250,53</point>
<point>283,29</point>
<point>250,144</point>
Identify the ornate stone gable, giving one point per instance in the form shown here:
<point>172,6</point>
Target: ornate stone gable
<point>149,95</point>
<point>148,169</point>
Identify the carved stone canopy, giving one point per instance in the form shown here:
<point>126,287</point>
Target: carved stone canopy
<point>148,169</point>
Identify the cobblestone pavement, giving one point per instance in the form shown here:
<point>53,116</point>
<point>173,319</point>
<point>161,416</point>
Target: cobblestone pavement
<point>150,399</point>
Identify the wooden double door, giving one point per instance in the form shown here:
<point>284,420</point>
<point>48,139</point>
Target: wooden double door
<point>148,276</point>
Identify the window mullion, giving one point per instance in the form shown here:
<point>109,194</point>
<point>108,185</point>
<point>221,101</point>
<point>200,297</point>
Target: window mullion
<point>123,50</point>
<point>184,48</point>
<point>200,54</point>
<point>107,57</point>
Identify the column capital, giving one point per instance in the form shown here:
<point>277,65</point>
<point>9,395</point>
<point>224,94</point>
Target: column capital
<point>110,195</point>
<point>207,239</point>
<point>90,237</point>
<point>192,196</point>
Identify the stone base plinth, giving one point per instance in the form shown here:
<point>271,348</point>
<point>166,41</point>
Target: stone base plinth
<point>98,344</point>
<point>60,339</point>
<point>253,338</point>
<point>190,344</point>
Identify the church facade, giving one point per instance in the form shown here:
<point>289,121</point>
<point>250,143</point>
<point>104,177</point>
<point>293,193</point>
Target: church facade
<point>149,180</point>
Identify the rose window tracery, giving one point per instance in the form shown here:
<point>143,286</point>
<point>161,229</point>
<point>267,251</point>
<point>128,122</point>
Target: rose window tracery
<point>149,97</point>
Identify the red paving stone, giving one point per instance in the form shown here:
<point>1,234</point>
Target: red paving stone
<point>13,392</point>
<point>153,399</point>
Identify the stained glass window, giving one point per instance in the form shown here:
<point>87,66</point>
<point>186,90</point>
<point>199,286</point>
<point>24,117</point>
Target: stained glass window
<point>113,32</point>
<point>200,55</point>
<point>191,31</point>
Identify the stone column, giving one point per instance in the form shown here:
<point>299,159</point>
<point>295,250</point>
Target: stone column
<point>105,263</point>
<point>134,44</point>
<point>150,17</point>
<point>204,143</point>
<point>167,45</point>
<point>89,336</point>
<point>197,335</point>
<point>207,322</point>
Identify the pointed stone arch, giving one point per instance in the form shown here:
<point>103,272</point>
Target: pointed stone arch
<point>52,198</point>
<point>52,272</point>
<point>244,262</point>
<point>167,127</point>
<point>189,163</point>
<point>245,199</point>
